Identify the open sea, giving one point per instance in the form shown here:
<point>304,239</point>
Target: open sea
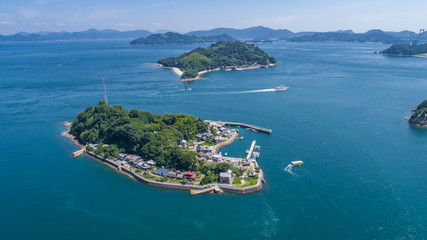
<point>364,173</point>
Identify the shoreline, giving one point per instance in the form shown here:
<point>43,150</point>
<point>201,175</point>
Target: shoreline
<point>179,72</point>
<point>131,173</point>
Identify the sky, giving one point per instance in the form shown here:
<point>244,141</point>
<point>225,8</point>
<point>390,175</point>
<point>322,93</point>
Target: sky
<point>187,15</point>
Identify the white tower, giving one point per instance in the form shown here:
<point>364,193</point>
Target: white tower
<point>105,92</point>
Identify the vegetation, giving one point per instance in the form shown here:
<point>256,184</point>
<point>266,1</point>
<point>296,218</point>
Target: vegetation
<point>419,117</point>
<point>151,136</point>
<point>218,55</point>
<point>370,36</point>
<point>108,151</point>
<point>406,49</point>
<point>245,182</point>
<point>176,38</point>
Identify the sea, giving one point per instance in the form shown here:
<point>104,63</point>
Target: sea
<point>364,172</point>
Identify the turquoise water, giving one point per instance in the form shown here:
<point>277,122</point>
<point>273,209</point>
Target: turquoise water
<point>364,168</point>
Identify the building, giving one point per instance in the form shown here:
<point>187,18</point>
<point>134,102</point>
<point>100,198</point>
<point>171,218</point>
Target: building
<point>226,177</point>
<point>151,163</point>
<point>162,172</point>
<point>190,175</point>
<point>217,157</point>
<point>183,143</point>
<point>172,174</point>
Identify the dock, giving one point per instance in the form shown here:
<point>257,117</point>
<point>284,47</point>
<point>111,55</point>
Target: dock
<point>79,152</point>
<point>259,129</point>
<point>213,189</point>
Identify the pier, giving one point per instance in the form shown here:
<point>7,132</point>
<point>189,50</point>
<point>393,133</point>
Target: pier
<point>259,129</point>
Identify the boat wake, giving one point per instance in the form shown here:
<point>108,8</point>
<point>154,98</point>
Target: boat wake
<point>289,169</point>
<point>252,91</point>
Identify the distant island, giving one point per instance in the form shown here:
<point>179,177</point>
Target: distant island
<point>370,36</point>
<point>230,55</point>
<point>171,150</point>
<point>93,34</point>
<point>419,117</point>
<point>258,34</point>
<point>176,38</point>
<point>406,50</point>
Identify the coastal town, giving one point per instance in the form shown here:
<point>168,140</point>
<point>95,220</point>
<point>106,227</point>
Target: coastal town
<point>206,146</point>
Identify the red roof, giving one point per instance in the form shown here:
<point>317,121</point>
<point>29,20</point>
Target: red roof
<point>190,175</point>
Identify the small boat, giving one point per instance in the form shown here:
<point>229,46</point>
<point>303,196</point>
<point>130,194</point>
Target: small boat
<point>225,154</point>
<point>281,88</point>
<point>240,138</point>
<point>247,151</point>
<point>186,85</point>
<point>297,163</point>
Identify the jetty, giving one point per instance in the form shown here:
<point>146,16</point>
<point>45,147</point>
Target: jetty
<point>259,129</point>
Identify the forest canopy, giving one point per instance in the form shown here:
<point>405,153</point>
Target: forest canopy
<point>218,55</point>
<point>151,136</point>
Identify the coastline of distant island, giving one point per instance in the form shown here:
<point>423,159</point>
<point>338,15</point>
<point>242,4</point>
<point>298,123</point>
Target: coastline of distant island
<point>406,50</point>
<point>220,56</point>
<point>419,117</point>
<point>175,151</point>
<point>171,38</point>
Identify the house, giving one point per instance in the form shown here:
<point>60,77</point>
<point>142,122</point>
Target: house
<point>226,177</point>
<point>190,175</point>
<point>216,157</point>
<point>172,174</point>
<point>246,163</point>
<point>183,143</point>
<point>252,174</point>
<point>151,163</point>
<point>179,176</point>
<point>161,172</point>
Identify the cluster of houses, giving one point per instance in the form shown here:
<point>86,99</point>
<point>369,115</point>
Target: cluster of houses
<point>163,172</point>
<point>221,134</point>
<point>136,161</point>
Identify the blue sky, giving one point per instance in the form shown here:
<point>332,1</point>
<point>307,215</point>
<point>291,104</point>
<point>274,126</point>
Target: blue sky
<point>187,15</point>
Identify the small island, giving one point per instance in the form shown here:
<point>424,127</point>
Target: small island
<point>419,117</point>
<point>171,38</point>
<point>406,50</point>
<point>229,55</point>
<point>172,150</point>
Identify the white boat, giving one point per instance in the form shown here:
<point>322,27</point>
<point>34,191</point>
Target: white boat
<point>225,154</point>
<point>297,163</point>
<point>281,88</point>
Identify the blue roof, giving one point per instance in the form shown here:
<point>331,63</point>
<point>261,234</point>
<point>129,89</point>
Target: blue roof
<point>162,172</point>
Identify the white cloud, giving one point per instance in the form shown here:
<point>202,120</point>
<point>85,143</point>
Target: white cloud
<point>125,25</point>
<point>7,22</point>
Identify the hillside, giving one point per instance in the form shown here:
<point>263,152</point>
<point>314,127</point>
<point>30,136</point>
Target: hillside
<point>253,33</point>
<point>218,56</point>
<point>176,38</point>
<point>149,135</point>
<point>405,50</point>
<point>88,34</point>
<point>419,117</point>
<point>370,36</point>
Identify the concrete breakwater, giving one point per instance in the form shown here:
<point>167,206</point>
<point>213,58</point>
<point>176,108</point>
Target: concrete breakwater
<point>228,142</point>
<point>259,129</point>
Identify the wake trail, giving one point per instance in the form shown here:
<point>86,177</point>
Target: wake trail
<point>289,169</point>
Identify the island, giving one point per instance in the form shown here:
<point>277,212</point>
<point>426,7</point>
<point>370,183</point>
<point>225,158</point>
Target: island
<point>172,150</point>
<point>419,117</point>
<point>171,38</point>
<point>406,50</point>
<point>347,36</point>
<point>229,55</point>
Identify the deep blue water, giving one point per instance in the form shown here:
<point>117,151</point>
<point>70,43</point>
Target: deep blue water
<point>364,168</point>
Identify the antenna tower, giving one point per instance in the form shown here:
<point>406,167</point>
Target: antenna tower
<point>105,92</point>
